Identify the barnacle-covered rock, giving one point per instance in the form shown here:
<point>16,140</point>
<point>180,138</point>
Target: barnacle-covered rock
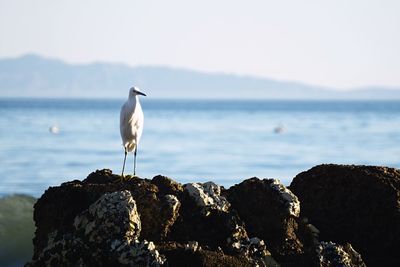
<point>206,217</point>
<point>271,212</point>
<point>113,217</point>
<point>330,254</point>
<point>106,234</point>
<point>290,200</point>
<point>139,253</point>
<point>207,196</point>
<point>160,222</point>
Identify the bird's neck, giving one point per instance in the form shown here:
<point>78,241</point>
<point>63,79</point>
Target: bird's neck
<point>134,102</point>
<point>134,98</point>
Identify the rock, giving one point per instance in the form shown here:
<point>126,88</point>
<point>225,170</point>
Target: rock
<point>102,222</point>
<point>170,212</point>
<point>57,208</point>
<point>206,218</point>
<point>192,254</point>
<point>356,204</point>
<point>290,201</point>
<point>207,196</point>
<point>255,248</point>
<point>167,186</point>
<point>271,212</point>
<point>139,254</point>
<point>193,246</point>
<point>333,255</point>
<point>178,255</point>
<point>210,220</point>
<point>106,234</point>
<point>113,217</point>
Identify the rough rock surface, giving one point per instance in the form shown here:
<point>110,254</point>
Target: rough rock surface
<point>156,218</point>
<point>356,204</point>
<point>106,234</point>
<point>207,196</point>
<point>271,212</point>
<point>331,254</point>
<point>159,222</point>
<point>205,208</point>
<point>112,217</point>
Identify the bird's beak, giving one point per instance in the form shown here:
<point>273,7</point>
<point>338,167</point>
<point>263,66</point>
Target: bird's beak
<point>140,93</point>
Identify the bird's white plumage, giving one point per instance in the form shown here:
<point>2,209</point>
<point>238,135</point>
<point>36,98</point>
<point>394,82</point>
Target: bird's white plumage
<point>131,125</point>
<point>131,121</point>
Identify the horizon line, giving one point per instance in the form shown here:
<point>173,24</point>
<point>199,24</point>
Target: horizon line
<point>200,71</point>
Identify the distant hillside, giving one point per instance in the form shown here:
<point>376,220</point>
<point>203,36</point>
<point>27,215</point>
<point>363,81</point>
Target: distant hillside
<point>34,76</point>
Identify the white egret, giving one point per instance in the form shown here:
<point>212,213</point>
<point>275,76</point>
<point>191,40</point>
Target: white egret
<point>131,124</point>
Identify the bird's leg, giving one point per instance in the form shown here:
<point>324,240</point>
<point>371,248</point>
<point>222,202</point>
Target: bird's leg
<point>121,179</point>
<point>123,167</point>
<point>134,161</point>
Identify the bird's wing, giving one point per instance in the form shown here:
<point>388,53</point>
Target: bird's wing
<point>124,122</point>
<point>130,126</point>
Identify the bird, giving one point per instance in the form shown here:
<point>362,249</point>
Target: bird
<point>279,129</point>
<point>54,129</point>
<point>131,124</point>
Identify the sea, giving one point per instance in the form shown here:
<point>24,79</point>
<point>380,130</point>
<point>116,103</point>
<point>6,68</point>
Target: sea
<point>45,142</point>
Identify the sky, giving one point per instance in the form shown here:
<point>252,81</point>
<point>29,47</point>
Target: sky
<point>343,44</point>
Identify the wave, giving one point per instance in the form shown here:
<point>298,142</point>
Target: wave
<point>16,230</point>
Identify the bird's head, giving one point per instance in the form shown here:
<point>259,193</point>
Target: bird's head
<point>134,91</point>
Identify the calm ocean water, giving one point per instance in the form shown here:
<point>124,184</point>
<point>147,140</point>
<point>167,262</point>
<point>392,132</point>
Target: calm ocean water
<point>223,141</point>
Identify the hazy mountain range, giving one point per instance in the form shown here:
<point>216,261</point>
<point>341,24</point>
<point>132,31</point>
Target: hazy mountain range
<point>35,76</point>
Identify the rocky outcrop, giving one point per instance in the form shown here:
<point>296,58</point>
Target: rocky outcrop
<point>271,212</point>
<point>356,204</point>
<point>101,221</point>
<point>106,234</point>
